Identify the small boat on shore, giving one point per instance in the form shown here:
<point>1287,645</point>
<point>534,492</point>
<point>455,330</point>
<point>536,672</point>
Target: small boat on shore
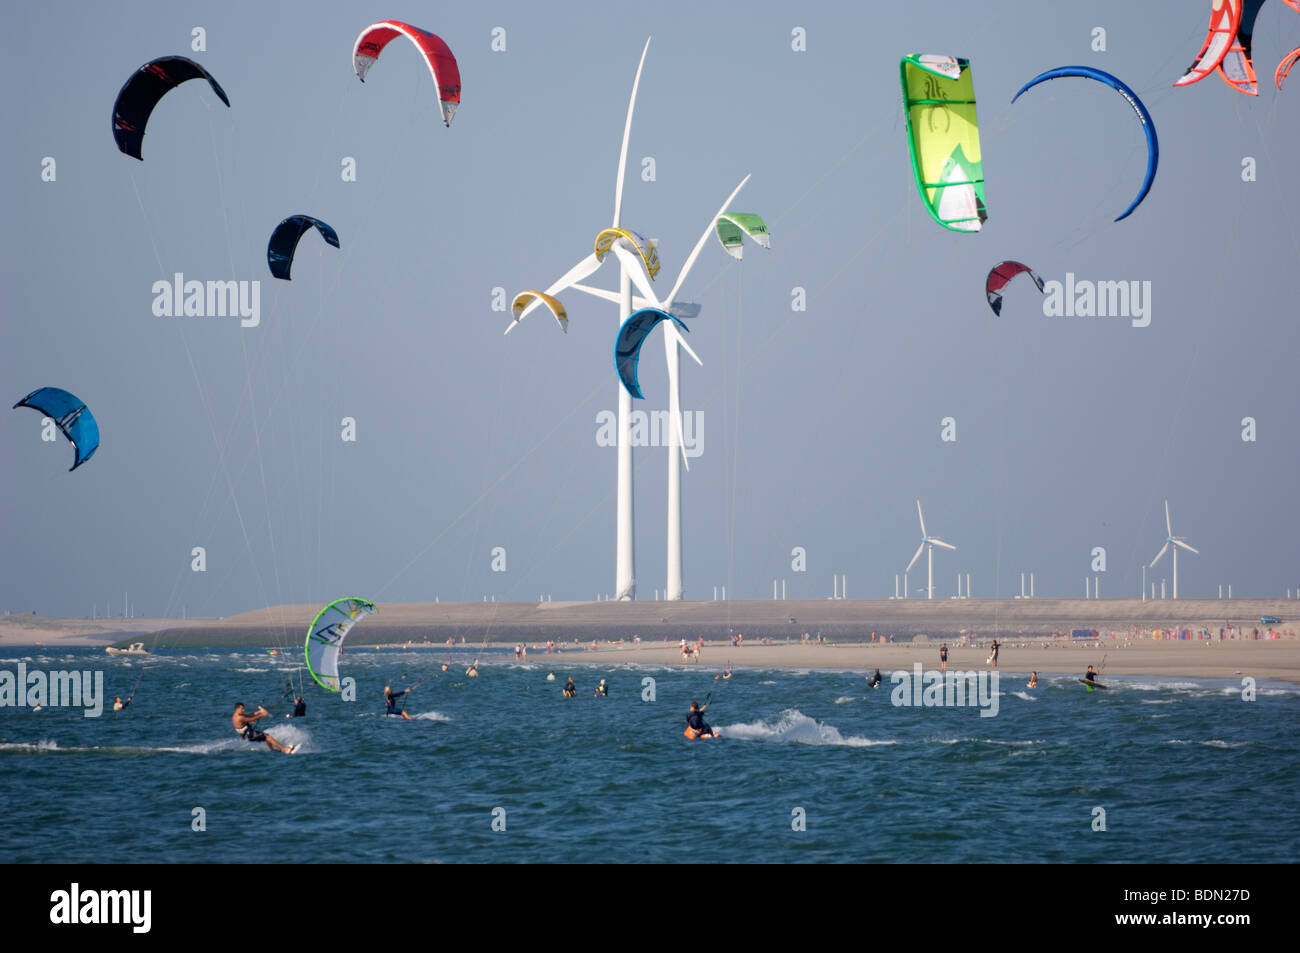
<point>136,648</point>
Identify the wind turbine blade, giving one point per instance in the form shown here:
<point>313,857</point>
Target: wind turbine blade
<point>919,550</point>
<point>1169,528</point>
<point>1179,542</point>
<point>632,265</point>
<point>1158,555</point>
<point>708,230</point>
<point>939,542</point>
<point>627,131</point>
<point>920,517</point>
<point>673,335</point>
<point>602,293</point>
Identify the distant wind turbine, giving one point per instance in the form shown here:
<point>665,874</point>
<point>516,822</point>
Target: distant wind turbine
<point>927,543</point>
<point>1177,542</point>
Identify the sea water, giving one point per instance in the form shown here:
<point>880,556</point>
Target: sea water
<point>813,767</point>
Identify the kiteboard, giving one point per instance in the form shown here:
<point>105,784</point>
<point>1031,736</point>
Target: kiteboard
<point>294,749</point>
<point>693,734</point>
<point>1091,685</point>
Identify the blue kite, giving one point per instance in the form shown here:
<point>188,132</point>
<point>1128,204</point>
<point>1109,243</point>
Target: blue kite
<point>71,415</point>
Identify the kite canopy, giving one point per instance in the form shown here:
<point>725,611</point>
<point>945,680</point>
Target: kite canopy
<point>734,226</point>
<point>438,56</point>
<point>284,242</point>
<point>1000,275</point>
<point>325,638</point>
<point>140,94</point>
<point>1236,67</point>
<point>551,303</point>
<point>1225,17</point>
<point>943,136</point>
<point>1148,126</point>
<point>71,415</point>
<point>638,243</point>
<point>627,347</point>
<point>1284,67</point>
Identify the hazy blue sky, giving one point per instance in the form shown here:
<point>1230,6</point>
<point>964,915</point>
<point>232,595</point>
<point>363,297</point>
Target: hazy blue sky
<point>821,428</point>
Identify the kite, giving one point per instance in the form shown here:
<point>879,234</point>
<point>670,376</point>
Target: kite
<point>526,298</point>
<point>1225,17</point>
<point>944,139</point>
<point>627,347</point>
<point>71,416</point>
<point>284,242</point>
<point>325,638</point>
<point>1000,275</point>
<point>645,248</point>
<point>1148,126</point>
<point>140,94</point>
<point>438,56</point>
<point>1236,67</point>
<point>1284,67</point>
<point>732,227</point>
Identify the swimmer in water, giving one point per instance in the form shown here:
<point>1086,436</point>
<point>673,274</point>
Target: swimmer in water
<point>1033,681</point>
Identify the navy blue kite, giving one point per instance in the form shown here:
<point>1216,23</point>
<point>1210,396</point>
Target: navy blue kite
<point>71,415</point>
<point>284,242</point>
<point>140,94</point>
<point>627,348</point>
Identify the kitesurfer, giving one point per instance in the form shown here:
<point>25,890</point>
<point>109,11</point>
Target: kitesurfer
<point>1033,680</point>
<point>390,701</point>
<point>943,657</point>
<point>695,719</point>
<point>1090,675</point>
<point>118,704</point>
<point>299,708</point>
<point>246,729</point>
<point>993,658</point>
<point>874,681</point>
<point>602,690</point>
<point>570,689</point>
<point>472,671</point>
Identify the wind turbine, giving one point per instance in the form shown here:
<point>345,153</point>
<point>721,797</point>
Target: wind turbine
<point>927,542</point>
<point>1177,542</point>
<point>672,341</point>
<point>634,268</point>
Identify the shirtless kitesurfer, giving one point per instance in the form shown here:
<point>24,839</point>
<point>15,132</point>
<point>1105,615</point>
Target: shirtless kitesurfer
<point>1033,681</point>
<point>118,704</point>
<point>246,729</point>
<point>390,702</point>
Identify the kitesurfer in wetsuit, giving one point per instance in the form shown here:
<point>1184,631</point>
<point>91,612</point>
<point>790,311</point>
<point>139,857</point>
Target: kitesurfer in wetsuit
<point>390,701</point>
<point>570,689</point>
<point>994,657</point>
<point>602,689</point>
<point>1090,675</point>
<point>695,719</point>
<point>874,681</point>
<point>246,729</point>
<point>299,708</point>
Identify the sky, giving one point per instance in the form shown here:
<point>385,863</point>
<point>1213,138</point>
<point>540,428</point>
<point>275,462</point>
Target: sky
<point>476,469</point>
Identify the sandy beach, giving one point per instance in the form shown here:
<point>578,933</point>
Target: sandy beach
<point>1274,659</point>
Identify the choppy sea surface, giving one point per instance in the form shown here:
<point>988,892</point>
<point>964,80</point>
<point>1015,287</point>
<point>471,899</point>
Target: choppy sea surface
<point>1179,770</point>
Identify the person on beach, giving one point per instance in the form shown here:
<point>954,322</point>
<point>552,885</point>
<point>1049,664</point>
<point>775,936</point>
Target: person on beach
<point>874,681</point>
<point>943,657</point>
<point>695,719</point>
<point>390,701</point>
<point>118,704</point>
<point>602,690</point>
<point>1033,680</point>
<point>570,689</point>
<point>246,729</point>
<point>994,657</point>
<point>299,708</point>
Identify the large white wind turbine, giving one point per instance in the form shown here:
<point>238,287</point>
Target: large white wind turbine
<point>927,543</point>
<point>1177,542</point>
<point>633,269</point>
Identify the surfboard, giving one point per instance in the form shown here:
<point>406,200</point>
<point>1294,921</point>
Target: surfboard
<point>1092,685</point>
<point>694,735</point>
